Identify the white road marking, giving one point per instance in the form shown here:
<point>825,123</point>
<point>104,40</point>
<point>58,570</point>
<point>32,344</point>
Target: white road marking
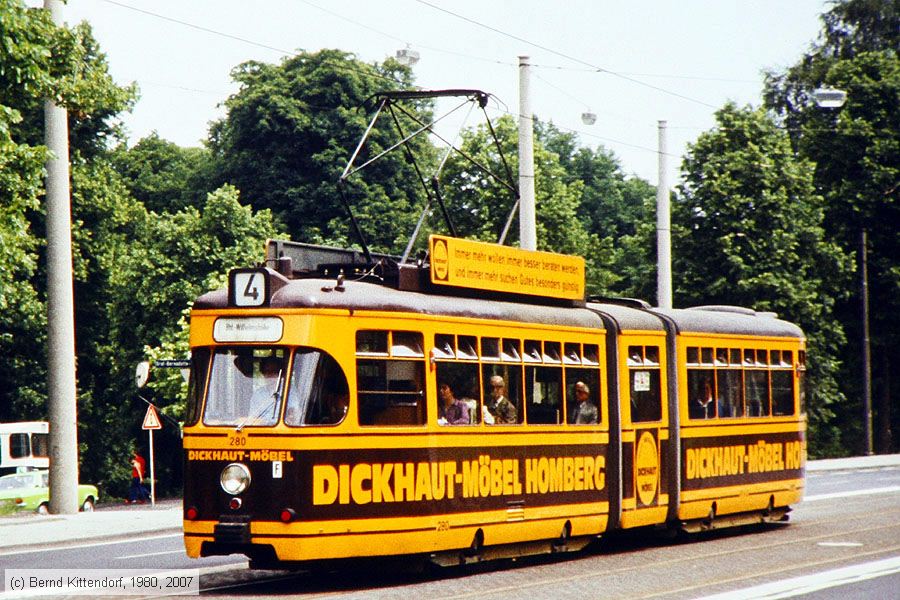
<point>884,490</point>
<point>54,546</point>
<point>180,551</point>
<point>798,586</point>
<point>840,544</point>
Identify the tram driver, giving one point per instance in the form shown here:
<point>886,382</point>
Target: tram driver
<point>264,401</point>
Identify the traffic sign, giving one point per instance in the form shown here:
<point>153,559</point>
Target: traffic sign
<point>172,363</point>
<point>151,419</point>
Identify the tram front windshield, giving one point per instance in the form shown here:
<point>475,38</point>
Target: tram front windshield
<point>246,386</point>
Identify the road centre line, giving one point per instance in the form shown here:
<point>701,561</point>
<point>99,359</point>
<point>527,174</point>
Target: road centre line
<point>808,584</point>
<point>179,551</point>
<point>883,490</point>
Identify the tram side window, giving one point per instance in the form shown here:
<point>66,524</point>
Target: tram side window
<point>589,414</point>
<point>644,378</point>
<point>196,383</point>
<point>756,383</point>
<point>543,395</point>
<point>502,393</point>
<point>782,383</point>
<point>390,374</point>
<point>460,376</point>
<point>318,393</point>
<point>730,388</point>
<point>801,379</point>
<point>701,400</point>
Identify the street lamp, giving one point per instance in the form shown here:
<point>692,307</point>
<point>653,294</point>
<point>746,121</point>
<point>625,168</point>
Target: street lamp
<point>827,97</point>
<point>407,56</point>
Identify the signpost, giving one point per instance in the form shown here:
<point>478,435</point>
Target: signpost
<point>151,422</point>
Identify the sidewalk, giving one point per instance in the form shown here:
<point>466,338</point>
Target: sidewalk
<point>120,521</point>
<point>109,522</point>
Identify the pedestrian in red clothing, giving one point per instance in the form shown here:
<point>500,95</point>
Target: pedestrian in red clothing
<point>137,494</point>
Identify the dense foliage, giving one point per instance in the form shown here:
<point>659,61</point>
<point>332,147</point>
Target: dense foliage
<point>856,151</point>
<point>748,230</point>
<point>768,215</point>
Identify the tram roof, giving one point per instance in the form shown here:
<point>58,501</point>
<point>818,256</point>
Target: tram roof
<point>360,295</point>
<point>730,320</point>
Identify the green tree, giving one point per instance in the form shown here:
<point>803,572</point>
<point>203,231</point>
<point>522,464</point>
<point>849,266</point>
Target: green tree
<point>856,150</point>
<point>619,210</point>
<point>748,230</point>
<point>22,312</point>
<point>167,261</point>
<point>480,205</point>
<point>162,175</point>
<point>39,60</point>
<point>290,131</point>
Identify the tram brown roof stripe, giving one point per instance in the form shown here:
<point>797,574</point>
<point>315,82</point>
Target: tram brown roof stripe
<point>310,293</point>
<point>358,295</point>
<point>731,321</point>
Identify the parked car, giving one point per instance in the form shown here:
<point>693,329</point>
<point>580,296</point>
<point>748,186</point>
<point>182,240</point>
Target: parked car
<point>31,491</point>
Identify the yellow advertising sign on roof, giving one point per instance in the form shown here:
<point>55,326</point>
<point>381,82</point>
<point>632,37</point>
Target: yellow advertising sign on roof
<point>479,265</point>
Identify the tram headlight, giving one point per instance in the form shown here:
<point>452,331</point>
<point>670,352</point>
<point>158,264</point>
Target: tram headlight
<point>235,478</point>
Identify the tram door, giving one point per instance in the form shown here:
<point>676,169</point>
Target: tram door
<point>645,431</point>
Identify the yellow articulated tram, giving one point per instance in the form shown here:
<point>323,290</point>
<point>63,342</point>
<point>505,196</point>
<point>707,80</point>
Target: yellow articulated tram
<point>472,408</point>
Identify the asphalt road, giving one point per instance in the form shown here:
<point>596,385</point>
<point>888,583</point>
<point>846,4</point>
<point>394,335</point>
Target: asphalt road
<point>843,542</point>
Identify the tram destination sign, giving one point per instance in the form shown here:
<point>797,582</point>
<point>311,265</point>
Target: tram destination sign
<point>479,265</point>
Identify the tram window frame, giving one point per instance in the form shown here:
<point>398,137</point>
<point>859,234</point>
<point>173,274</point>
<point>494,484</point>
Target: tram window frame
<point>571,353</point>
<point>444,346</point>
<point>756,392</point>
<point>234,396</point>
<point>544,394</point>
<point>721,359</point>
<point>490,348</point>
<point>197,384</point>
<point>512,375</point>
<point>511,350</point>
<point>386,407</point>
<point>801,379</point>
<point>730,392</point>
<point>467,347</point>
<point>590,355</point>
<point>456,373</point>
<point>552,353</point>
<point>532,353</point>
<point>701,384</point>
<point>324,398</point>
<point>646,404</point>
<point>692,355</point>
<point>590,376</point>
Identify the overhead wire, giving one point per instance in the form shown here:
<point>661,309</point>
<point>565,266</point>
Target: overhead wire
<point>288,53</point>
<point>563,54</point>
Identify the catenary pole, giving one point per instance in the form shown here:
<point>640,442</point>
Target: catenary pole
<point>61,386</point>
<point>527,219</point>
<point>663,227</point>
